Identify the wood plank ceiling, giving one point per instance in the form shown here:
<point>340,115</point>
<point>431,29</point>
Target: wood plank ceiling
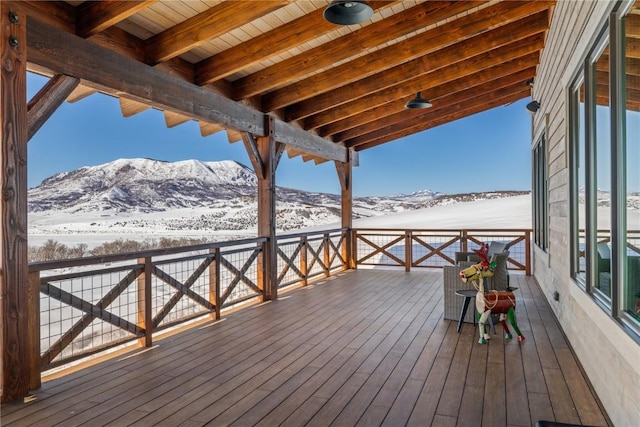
<point>347,84</point>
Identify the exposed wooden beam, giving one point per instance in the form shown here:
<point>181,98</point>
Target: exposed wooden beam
<point>233,136</point>
<point>347,46</point>
<point>290,135</point>
<point>47,101</point>
<point>96,16</point>
<point>478,47</point>
<point>199,29</point>
<point>446,103</point>
<point>81,92</point>
<point>65,53</point>
<point>172,119</point>
<point>129,107</point>
<point>60,14</point>
<point>388,101</point>
<point>632,26</point>
<point>271,43</point>
<point>293,152</point>
<point>207,129</point>
<point>427,121</point>
<point>479,31</point>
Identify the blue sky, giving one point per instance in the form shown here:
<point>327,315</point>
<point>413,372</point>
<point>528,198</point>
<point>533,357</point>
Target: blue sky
<point>486,152</point>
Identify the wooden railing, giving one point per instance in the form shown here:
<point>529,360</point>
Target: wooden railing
<point>435,248</point>
<point>88,305</point>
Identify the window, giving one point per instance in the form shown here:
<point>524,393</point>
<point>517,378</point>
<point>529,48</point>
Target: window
<point>540,210</point>
<point>631,233</point>
<point>600,146</point>
<point>578,181</point>
<point>604,127</point>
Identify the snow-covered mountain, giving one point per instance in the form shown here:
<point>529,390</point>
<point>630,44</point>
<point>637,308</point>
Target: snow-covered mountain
<point>131,196</point>
<point>143,185</point>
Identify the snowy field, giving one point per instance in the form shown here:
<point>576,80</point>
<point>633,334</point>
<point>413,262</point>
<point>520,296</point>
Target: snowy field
<point>97,228</point>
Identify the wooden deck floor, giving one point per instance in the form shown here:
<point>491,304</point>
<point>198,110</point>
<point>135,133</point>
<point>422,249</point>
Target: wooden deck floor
<point>368,347</point>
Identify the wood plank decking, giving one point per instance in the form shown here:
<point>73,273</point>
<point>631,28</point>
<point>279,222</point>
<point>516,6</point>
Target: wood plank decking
<point>366,347</point>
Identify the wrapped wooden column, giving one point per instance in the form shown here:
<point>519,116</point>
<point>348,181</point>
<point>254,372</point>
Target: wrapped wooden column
<point>265,153</point>
<point>345,170</point>
<point>14,331</point>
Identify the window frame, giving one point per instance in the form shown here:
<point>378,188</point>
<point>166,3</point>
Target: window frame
<point>540,194</point>
<point>613,35</point>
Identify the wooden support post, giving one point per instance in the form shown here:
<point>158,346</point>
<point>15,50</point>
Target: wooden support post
<point>214,282</point>
<point>303,260</point>
<point>345,170</point>
<point>14,295</point>
<point>145,302</point>
<point>265,153</point>
<point>408,254</point>
<point>35,380</point>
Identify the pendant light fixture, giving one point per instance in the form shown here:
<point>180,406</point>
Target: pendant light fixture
<point>347,12</point>
<point>417,103</point>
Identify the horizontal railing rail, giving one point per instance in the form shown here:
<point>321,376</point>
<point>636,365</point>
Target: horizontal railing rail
<point>302,257</point>
<point>419,248</point>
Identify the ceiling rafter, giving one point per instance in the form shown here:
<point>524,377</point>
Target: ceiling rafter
<point>475,108</point>
<point>445,102</point>
<point>271,43</point>
<point>347,46</point>
<point>515,37</point>
<point>475,26</point>
<point>200,28</point>
<point>393,99</point>
<point>97,16</point>
<point>424,120</point>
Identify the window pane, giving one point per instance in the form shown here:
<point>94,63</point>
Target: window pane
<point>603,173</point>
<point>631,290</point>
<point>581,148</point>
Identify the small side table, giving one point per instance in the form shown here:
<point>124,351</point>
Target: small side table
<point>468,295</point>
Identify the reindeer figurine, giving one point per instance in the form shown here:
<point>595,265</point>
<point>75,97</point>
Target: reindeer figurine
<point>502,302</point>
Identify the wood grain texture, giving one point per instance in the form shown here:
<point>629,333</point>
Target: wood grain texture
<point>346,46</point>
<point>14,290</point>
<point>94,17</point>
<point>47,101</point>
<point>206,25</point>
<point>379,354</point>
<point>487,45</point>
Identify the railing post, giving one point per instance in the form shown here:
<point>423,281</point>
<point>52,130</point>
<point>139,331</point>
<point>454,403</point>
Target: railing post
<point>33,322</point>
<point>354,248</point>
<point>145,318</point>
<point>327,255</point>
<point>261,265</point>
<point>464,241</point>
<point>214,281</point>
<point>303,260</point>
<point>408,256</point>
<point>346,249</point>
<point>527,250</point>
